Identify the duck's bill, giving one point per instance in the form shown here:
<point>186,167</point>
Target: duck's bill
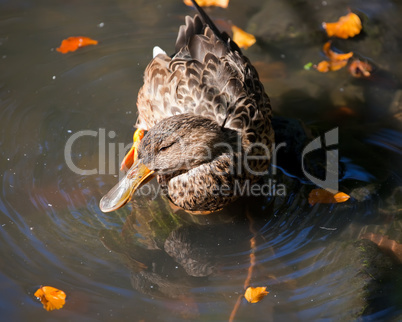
<point>122,192</point>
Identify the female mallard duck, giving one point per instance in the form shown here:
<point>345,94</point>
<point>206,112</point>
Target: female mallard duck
<point>208,121</point>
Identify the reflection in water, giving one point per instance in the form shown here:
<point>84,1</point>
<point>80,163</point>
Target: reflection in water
<point>188,258</point>
<point>180,266</point>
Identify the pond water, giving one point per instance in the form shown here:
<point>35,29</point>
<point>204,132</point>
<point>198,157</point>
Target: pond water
<point>146,262</point>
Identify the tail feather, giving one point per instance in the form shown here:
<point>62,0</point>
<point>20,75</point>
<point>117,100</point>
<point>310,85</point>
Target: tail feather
<point>193,26</point>
<point>207,20</point>
<point>221,35</point>
<point>197,25</point>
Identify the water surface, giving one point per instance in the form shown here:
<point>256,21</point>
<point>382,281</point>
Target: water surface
<point>145,262</point>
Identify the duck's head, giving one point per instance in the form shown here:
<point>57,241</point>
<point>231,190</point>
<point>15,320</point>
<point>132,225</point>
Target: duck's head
<point>173,146</point>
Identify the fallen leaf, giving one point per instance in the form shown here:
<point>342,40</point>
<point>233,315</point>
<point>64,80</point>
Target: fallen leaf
<point>73,43</point>
<point>333,56</point>
<point>51,298</point>
<point>131,156</point>
<point>347,26</point>
<point>341,197</point>
<point>255,294</point>
<point>209,3</point>
<point>324,196</point>
<point>360,69</point>
<point>242,38</point>
<point>336,61</point>
<point>326,66</point>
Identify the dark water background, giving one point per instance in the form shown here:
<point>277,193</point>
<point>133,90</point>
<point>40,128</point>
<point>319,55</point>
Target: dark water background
<point>53,233</point>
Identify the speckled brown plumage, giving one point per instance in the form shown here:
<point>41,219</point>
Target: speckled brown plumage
<point>206,93</point>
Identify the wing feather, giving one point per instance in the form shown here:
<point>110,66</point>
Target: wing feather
<point>208,76</point>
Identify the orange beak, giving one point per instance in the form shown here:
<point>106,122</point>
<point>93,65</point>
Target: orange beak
<point>131,156</point>
<point>121,193</point>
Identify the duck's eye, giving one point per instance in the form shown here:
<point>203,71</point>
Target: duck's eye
<point>164,148</point>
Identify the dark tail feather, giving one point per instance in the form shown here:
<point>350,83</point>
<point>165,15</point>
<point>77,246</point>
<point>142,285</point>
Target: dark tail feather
<point>207,20</point>
<point>192,27</point>
<point>221,35</point>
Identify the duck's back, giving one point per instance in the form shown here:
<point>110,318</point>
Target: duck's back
<point>207,76</point>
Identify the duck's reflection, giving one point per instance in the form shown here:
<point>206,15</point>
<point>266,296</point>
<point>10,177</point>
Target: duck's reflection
<point>169,253</point>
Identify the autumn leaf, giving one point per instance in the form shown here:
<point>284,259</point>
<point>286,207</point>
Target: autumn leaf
<point>347,26</point>
<point>51,298</point>
<point>333,56</point>
<point>73,43</point>
<point>131,156</point>
<point>242,38</point>
<point>324,196</point>
<point>336,61</point>
<point>209,3</point>
<point>360,69</point>
<point>326,66</point>
<point>255,294</point>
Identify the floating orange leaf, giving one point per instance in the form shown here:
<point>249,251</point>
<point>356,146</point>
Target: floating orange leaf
<point>333,56</point>
<point>326,66</point>
<point>255,294</point>
<point>347,26</point>
<point>324,196</point>
<point>131,156</point>
<point>360,69</point>
<point>242,38</point>
<point>73,43</point>
<point>336,61</point>
<point>51,298</point>
<point>209,3</point>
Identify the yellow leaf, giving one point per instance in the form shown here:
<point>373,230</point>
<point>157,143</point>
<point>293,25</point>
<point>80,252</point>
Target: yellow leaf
<point>323,66</point>
<point>255,294</point>
<point>341,197</point>
<point>209,3</point>
<point>336,61</point>
<point>347,26</point>
<point>326,66</point>
<point>242,38</point>
<point>131,156</point>
<point>324,196</point>
<point>333,56</point>
<point>51,297</point>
